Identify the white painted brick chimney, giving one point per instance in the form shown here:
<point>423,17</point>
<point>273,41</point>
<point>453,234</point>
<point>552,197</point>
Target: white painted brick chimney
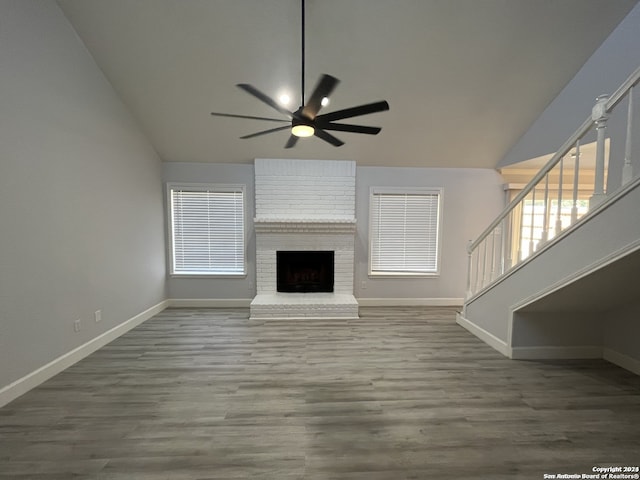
<point>304,205</point>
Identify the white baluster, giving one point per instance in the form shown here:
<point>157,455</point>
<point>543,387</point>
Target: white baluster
<point>599,116</point>
<point>507,242</point>
<point>576,177</point>
<point>477,250</point>
<point>559,210</point>
<point>484,262</point>
<point>519,257</point>
<point>469,265</point>
<point>533,216</point>
<point>493,256</point>
<point>545,212</point>
<point>505,245</point>
<point>627,168</point>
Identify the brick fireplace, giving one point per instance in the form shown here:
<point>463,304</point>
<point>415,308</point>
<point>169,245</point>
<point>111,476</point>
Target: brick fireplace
<point>304,206</point>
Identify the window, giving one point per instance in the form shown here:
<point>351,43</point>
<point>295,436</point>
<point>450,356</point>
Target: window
<point>535,218</point>
<point>404,231</point>
<point>206,229</point>
<point>534,223</point>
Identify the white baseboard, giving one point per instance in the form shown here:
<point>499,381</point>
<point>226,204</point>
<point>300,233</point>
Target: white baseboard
<point>44,373</point>
<point>622,360</point>
<point>410,302</point>
<point>209,302</point>
<point>487,337</point>
<point>363,302</point>
<point>556,352</point>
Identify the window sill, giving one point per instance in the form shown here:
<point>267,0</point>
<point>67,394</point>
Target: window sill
<point>208,275</point>
<point>403,275</point>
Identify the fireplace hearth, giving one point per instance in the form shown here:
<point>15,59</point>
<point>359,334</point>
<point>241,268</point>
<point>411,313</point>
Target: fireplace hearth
<point>305,271</point>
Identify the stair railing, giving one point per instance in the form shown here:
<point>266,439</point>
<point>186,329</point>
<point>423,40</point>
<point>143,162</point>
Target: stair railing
<point>554,200</point>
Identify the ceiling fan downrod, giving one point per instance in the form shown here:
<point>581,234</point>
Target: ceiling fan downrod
<point>303,46</point>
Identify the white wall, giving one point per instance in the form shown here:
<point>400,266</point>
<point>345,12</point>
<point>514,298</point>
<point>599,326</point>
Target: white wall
<point>622,330</point>
<point>243,288</point>
<point>603,73</point>
<point>80,195</point>
<point>556,329</point>
<point>472,198</point>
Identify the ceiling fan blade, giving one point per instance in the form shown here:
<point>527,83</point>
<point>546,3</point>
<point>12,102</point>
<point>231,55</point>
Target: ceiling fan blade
<point>354,111</point>
<point>217,114</point>
<point>264,132</point>
<point>325,86</point>
<point>343,127</point>
<point>264,98</point>
<point>327,137</point>
<point>291,142</point>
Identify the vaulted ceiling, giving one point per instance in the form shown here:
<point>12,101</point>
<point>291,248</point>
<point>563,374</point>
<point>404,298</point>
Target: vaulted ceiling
<point>464,78</point>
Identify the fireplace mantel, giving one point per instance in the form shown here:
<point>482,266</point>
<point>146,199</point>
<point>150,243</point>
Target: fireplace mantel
<point>300,225</point>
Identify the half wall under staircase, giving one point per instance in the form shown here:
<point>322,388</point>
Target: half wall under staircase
<point>549,280</point>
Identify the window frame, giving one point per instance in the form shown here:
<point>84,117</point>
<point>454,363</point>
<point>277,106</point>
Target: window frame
<point>415,191</point>
<point>202,187</point>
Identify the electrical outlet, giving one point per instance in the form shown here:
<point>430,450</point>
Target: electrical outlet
<point>363,285</point>
<point>98,316</point>
<point>76,325</point>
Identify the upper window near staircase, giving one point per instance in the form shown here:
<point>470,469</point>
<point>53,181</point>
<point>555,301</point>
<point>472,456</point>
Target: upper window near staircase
<point>206,229</point>
<point>404,231</point>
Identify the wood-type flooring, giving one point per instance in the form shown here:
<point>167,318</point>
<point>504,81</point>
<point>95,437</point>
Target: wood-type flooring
<point>401,393</point>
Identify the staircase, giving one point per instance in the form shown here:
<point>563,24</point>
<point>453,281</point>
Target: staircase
<point>557,273</point>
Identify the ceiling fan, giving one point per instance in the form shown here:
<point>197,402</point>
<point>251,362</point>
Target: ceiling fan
<point>305,121</point>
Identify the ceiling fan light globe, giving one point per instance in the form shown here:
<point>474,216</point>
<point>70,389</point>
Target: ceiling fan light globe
<point>284,99</point>
<point>302,130</point>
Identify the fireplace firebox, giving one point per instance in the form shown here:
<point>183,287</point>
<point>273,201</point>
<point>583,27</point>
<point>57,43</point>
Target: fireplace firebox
<point>305,271</point>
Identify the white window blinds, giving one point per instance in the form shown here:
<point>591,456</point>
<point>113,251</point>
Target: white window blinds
<point>207,230</point>
<point>404,232</point>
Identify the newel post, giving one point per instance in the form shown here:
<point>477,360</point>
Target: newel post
<point>600,117</point>
<point>469,264</point>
